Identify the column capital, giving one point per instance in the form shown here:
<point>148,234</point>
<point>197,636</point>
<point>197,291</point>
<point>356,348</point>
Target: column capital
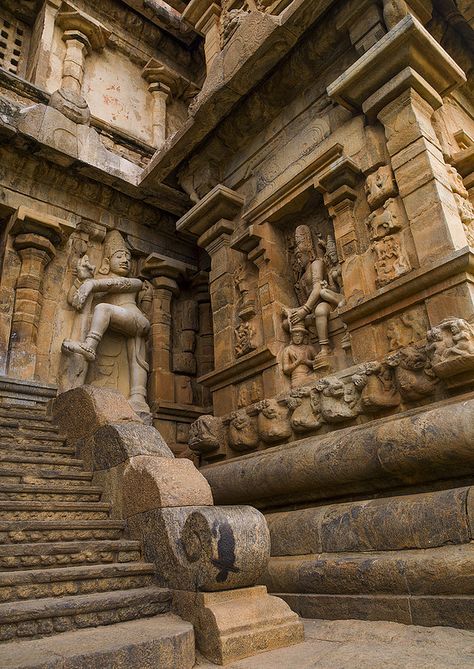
<point>28,221</point>
<point>407,56</point>
<point>199,12</point>
<point>77,25</point>
<point>213,216</point>
<point>164,272</point>
<point>161,77</point>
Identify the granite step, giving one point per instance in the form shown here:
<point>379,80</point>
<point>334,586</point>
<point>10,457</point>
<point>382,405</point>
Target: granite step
<point>163,641</point>
<point>43,617</point>
<point>10,510</point>
<point>44,476</point>
<point>33,463</point>
<point>38,450</point>
<point>44,492</point>
<point>77,580</point>
<point>56,554</point>
<point>46,531</point>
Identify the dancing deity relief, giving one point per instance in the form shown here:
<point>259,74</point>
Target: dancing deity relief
<point>318,286</point>
<point>108,302</point>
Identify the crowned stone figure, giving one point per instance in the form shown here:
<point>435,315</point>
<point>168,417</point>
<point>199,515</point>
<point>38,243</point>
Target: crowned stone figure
<point>109,302</point>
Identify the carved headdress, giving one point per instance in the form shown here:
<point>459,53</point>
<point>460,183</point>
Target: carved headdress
<point>304,238</point>
<point>113,243</point>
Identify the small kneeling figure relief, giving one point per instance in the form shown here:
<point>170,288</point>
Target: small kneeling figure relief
<point>243,434</point>
<point>117,310</point>
<point>272,422</point>
<point>298,357</point>
<point>414,376</point>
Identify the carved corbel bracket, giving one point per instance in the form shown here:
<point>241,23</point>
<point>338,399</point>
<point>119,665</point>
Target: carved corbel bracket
<point>27,220</point>
<point>165,272</point>
<point>71,20</point>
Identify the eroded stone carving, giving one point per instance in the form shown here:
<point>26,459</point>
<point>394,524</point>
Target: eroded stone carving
<point>451,347</point>
<point>272,422</point>
<point>391,260</point>
<point>379,186</point>
<point>305,409</point>
<point>384,223</point>
<point>339,401</point>
<point>379,391</point>
<point>117,310</point>
<point>465,208</point>
<point>242,432</point>
<point>414,376</point>
<point>204,434</point>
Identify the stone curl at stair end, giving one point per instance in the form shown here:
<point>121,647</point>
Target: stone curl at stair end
<point>401,380</point>
<point>195,546</point>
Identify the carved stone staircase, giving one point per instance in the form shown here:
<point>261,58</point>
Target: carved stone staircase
<point>73,590</point>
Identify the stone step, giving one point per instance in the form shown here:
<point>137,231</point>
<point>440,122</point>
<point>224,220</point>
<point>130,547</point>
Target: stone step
<point>45,531</point>
<point>38,450</point>
<point>43,476</point>
<point>54,510</point>
<point>25,417</point>
<point>164,641</point>
<point>44,492</point>
<point>28,426</point>
<point>80,580</point>
<point>44,617</point>
<point>19,437</point>
<point>34,463</point>
<point>56,554</point>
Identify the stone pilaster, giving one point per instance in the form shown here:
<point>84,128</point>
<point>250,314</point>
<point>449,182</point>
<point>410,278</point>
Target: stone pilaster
<point>162,83</point>
<point>162,274</point>
<point>400,82</point>
<point>36,237</point>
<point>81,34</point>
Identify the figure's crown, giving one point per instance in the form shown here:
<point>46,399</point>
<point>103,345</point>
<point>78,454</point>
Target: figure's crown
<point>114,242</point>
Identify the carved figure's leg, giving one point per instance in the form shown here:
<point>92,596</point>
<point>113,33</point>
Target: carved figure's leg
<point>100,322</point>
<point>335,299</point>
<point>321,315</point>
<point>138,374</point>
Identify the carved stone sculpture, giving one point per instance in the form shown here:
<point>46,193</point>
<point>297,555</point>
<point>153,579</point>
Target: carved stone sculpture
<point>317,288</point>
<point>272,422</point>
<point>305,409</point>
<point>385,222</point>
<point>242,432</point>
<point>451,347</point>
<point>380,186</point>
<point>414,376</point>
<point>116,309</point>
<point>298,357</point>
<point>204,434</point>
<point>465,208</point>
<point>379,391</point>
<point>339,401</point>
<point>391,260</point>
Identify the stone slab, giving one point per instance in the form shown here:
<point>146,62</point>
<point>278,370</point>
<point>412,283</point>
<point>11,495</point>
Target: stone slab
<point>345,644</point>
<point>163,641</point>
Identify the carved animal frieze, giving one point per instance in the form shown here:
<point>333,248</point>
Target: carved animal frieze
<point>379,391</point>
<point>384,222</point>
<point>339,401</point>
<point>272,422</point>
<point>205,434</point>
<point>414,377</point>
<point>243,434</point>
<point>305,409</point>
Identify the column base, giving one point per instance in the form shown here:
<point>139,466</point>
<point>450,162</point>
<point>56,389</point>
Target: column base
<point>73,106</point>
<point>234,624</point>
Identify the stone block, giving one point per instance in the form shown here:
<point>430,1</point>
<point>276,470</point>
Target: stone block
<point>239,623</point>
<point>112,444</point>
<point>152,483</point>
<point>81,411</point>
<point>394,523</point>
<point>204,547</point>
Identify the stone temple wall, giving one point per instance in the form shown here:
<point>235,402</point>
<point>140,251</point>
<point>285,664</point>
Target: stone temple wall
<point>293,183</point>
